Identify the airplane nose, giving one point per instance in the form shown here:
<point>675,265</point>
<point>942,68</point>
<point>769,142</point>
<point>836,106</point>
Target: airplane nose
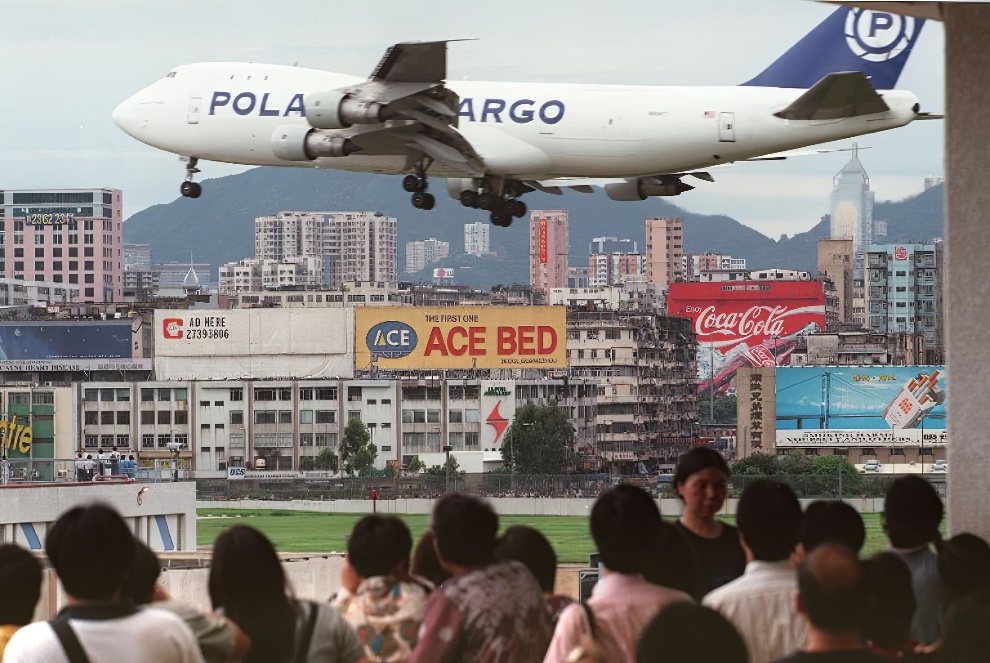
<point>126,116</point>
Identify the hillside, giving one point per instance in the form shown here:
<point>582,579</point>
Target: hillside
<point>219,226</point>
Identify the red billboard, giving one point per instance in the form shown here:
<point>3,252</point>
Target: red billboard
<point>742,323</point>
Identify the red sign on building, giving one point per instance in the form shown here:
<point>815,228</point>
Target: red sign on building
<point>543,241</point>
<point>743,323</point>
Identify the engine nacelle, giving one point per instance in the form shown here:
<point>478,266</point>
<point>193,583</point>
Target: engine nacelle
<point>296,142</point>
<point>457,184</point>
<point>641,189</point>
<point>333,109</point>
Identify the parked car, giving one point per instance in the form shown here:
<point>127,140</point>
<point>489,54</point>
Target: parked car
<point>872,465</point>
<point>940,466</point>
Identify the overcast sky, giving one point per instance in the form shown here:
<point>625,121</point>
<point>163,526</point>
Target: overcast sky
<point>68,63</point>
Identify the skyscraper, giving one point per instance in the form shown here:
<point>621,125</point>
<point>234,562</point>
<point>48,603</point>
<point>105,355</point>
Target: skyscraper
<point>292,238</point>
<point>664,250</point>
<point>852,218</point>
<point>360,246</point>
<point>548,249</point>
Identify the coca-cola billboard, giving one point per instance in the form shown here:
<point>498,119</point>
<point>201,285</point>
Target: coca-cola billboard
<point>742,323</point>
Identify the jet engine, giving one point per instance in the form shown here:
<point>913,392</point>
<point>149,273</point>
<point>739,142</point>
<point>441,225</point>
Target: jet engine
<point>333,109</point>
<point>294,142</point>
<point>644,187</point>
<point>456,185</point>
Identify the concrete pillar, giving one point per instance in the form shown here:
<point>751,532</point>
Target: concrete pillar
<point>967,60</point>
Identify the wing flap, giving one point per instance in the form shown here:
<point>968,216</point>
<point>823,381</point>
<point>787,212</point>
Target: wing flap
<point>835,97</point>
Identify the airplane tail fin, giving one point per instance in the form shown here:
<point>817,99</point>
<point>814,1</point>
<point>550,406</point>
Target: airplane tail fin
<point>873,42</point>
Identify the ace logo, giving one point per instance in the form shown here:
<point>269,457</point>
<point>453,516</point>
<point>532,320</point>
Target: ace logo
<point>172,327</point>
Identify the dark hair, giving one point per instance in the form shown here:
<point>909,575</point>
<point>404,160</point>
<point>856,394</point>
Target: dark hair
<point>425,562</point>
<point>963,567</point>
<point>769,518</point>
<point>378,544</point>
<point>832,521</point>
<point>832,587</point>
<point>912,512</point>
<point>696,460</point>
<point>690,633</point>
<point>465,528</point>
<point>892,604</point>
<point>248,582</point>
<point>625,524</point>
<point>79,545</point>
<point>965,636</point>
<point>142,574</point>
<point>20,585</point>
<point>674,564</point>
<point>528,546</point>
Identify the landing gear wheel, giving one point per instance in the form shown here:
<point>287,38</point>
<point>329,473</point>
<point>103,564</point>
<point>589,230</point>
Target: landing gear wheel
<point>501,219</point>
<point>413,184</point>
<point>424,201</point>
<point>487,201</point>
<point>191,189</point>
<point>516,208</point>
<point>469,198</point>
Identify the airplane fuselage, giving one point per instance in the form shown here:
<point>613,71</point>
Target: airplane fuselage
<point>532,131</point>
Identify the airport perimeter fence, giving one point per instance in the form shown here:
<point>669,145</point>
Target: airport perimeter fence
<point>308,487</point>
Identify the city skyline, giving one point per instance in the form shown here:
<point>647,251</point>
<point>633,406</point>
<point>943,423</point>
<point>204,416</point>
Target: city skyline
<point>53,149</point>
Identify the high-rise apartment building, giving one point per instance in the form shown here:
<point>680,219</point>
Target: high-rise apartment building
<point>360,246</point>
<point>64,236</point>
<point>904,292</point>
<point>693,264</point>
<point>605,269</point>
<point>289,235</point>
<point>612,245</point>
<point>476,242</point>
<point>425,252</point>
<point>835,261</point>
<point>664,250</point>
<point>549,246</point>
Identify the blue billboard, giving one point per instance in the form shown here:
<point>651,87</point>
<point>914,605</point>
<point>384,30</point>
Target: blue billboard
<point>890,398</point>
<point>61,340</point>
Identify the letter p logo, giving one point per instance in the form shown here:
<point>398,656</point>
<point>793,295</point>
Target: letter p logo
<point>880,22</point>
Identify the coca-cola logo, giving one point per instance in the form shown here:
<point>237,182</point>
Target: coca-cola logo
<point>755,321</point>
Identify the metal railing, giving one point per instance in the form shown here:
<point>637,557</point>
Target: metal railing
<point>15,471</point>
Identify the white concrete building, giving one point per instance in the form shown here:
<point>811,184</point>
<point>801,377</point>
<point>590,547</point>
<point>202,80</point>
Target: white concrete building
<point>425,252</point>
<point>15,292</point>
<point>476,240</point>
<point>360,246</point>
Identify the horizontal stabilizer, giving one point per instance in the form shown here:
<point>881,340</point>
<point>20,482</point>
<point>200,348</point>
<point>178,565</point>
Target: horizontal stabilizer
<point>837,96</point>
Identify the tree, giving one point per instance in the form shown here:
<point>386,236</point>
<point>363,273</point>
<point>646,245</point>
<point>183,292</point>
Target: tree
<point>307,464</point>
<point>757,464</point>
<point>725,408</point>
<point>326,460</point>
<point>356,450</point>
<point>416,465</point>
<point>542,438</point>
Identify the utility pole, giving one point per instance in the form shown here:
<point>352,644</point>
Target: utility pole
<point>711,391</point>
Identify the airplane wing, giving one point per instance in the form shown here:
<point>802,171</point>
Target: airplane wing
<point>420,112</point>
<point>834,97</point>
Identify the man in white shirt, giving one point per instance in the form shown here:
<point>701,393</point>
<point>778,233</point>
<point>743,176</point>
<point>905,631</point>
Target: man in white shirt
<point>95,619</point>
<point>761,603</point>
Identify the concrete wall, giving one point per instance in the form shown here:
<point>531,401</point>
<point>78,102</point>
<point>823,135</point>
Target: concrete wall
<point>505,506</point>
<point>165,519</point>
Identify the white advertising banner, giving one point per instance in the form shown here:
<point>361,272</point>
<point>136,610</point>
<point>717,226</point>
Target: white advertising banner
<point>860,438</point>
<point>254,344</point>
<point>498,408</point>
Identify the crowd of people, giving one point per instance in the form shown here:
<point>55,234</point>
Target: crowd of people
<point>106,464</point>
<point>784,584</point>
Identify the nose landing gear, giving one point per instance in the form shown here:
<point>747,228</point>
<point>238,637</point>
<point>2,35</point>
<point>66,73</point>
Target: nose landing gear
<point>190,189</point>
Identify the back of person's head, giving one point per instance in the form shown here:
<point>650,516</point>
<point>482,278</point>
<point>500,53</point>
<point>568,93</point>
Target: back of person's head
<point>832,589</point>
<point>79,545</point>
<point>141,576</point>
<point>832,521</point>
<point>425,563</point>
<point>769,519</point>
<point>378,545</point>
<point>465,529</point>
<point>696,460</point>
<point>248,582</point>
<point>20,585</point>
<point>912,512</point>
<point>529,547</point>
<point>963,567</point>
<point>690,633</point>
<point>625,524</point>
<point>892,604</point>
<point>965,636</point>
<point>675,564</point>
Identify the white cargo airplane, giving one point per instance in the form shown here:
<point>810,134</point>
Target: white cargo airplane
<point>497,141</point>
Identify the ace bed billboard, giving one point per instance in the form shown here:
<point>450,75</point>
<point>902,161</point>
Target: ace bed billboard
<point>460,337</point>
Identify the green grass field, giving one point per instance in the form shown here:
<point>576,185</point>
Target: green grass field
<point>305,531</point>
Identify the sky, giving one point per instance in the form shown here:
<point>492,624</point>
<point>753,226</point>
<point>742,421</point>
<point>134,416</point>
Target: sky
<point>69,63</point>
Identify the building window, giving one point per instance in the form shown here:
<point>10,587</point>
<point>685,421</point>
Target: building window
<point>107,418</point>
<point>123,418</point>
<point>180,417</point>
<point>326,416</point>
<point>163,441</point>
<point>91,418</point>
<point>147,441</point>
<point>456,416</point>
<point>285,416</point>
<point>264,416</point>
<point>147,417</point>
<point>306,394</point>
<point>237,417</point>
<point>326,394</point>
<point>305,416</point>
<point>237,394</point>
<point>164,394</point>
<point>164,417</point>
<point>147,395</point>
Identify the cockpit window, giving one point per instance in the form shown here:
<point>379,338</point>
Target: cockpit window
<point>170,74</point>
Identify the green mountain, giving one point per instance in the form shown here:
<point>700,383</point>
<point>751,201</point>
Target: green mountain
<point>219,226</point>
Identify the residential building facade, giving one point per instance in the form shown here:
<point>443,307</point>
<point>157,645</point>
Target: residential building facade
<point>360,246</point>
<point>476,238</point>
<point>664,250</point>
<point>549,246</point>
<point>425,252</point>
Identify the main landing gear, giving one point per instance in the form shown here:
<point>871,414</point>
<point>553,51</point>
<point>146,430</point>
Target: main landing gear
<point>190,189</point>
<point>503,209</point>
<point>416,185</point>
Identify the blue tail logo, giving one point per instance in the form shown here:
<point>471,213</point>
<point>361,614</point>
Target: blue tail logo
<point>873,42</point>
